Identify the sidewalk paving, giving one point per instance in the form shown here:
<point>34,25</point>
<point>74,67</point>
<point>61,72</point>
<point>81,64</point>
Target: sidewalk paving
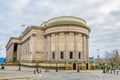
<point>82,75</point>
<point>12,72</point>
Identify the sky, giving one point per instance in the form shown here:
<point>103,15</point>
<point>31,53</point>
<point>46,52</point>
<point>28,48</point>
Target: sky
<point>102,16</point>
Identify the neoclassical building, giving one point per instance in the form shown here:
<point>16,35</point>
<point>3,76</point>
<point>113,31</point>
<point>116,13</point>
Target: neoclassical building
<point>62,38</point>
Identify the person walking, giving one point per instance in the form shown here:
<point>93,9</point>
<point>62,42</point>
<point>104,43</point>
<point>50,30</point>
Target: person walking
<point>34,71</point>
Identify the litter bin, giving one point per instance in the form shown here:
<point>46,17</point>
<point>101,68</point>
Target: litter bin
<point>2,67</point>
<point>78,70</point>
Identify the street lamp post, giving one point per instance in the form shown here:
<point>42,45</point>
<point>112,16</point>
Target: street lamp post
<point>56,67</point>
<point>2,67</point>
<point>19,66</point>
<point>36,65</point>
<point>98,56</point>
<point>103,66</point>
<point>78,70</point>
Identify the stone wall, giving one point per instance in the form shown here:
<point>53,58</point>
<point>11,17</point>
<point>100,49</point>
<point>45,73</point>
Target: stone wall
<point>9,56</point>
<point>66,40</point>
<point>53,41</point>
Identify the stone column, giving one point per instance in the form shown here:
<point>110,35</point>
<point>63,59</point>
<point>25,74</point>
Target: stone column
<point>57,46</point>
<point>66,56</point>
<point>27,48</point>
<point>45,48</point>
<point>33,46</point>
<point>87,49</point>
<point>30,42</point>
<point>83,46</point>
<point>49,47</point>
<point>85,52</point>
<point>11,51</point>
<point>75,46</point>
<point>19,52</point>
<point>28,45</point>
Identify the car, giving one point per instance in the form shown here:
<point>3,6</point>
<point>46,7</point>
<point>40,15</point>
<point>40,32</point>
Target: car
<point>112,68</point>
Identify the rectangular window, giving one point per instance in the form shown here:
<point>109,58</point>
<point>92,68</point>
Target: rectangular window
<point>79,55</point>
<point>62,55</point>
<point>71,55</point>
<point>53,55</point>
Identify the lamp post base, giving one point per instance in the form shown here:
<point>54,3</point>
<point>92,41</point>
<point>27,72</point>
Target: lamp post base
<point>19,68</point>
<point>104,71</point>
<point>78,70</point>
<point>56,68</point>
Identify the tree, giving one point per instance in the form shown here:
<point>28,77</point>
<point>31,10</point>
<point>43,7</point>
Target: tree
<point>117,58</point>
<point>112,58</point>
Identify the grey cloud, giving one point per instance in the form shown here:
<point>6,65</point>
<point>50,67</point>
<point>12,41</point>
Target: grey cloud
<point>38,11</point>
<point>115,13</point>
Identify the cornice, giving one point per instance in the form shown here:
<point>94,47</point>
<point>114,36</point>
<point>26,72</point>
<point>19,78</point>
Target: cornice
<point>28,29</point>
<point>67,29</point>
<point>65,20</point>
<point>15,38</point>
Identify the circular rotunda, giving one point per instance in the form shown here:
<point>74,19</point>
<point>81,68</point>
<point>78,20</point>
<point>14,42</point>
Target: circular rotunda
<point>66,39</point>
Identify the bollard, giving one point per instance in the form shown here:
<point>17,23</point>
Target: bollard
<point>104,70</point>
<point>78,70</point>
<point>117,72</point>
<point>114,71</point>
<point>34,71</point>
<point>108,70</point>
<point>3,67</point>
<point>111,71</point>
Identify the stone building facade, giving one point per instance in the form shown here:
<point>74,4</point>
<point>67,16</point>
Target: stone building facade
<point>58,39</point>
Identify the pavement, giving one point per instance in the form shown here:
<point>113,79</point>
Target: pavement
<point>12,73</point>
<point>82,75</point>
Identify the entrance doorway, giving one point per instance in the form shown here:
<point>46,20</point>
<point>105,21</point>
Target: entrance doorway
<point>87,66</point>
<point>15,52</point>
<point>74,66</point>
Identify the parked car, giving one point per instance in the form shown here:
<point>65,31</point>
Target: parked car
<point>112,68</point>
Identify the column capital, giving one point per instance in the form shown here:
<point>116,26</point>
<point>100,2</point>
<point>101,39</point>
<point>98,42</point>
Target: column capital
<point>76,33</point>
<point>66,32</point>
<point>57,33</point>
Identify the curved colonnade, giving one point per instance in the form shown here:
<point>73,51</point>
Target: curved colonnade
<point>66,38</point>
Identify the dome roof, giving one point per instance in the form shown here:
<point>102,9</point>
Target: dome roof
<point>64,20</point>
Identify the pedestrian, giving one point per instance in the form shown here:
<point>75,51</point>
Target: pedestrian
<point>37,69</point>
<point>40,70</point>
<point>46,70</point>
<point>34,71</point>
<point>108,70</point>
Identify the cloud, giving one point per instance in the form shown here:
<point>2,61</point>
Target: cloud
<point>14,4</point>
<point>115,13</point>
<point>102,17</point>
<point>1,18</point>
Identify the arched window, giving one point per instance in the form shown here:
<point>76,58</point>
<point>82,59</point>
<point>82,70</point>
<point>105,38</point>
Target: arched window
<point>71,55</point>
<point>62,55</point>
<point>53,55</point>
<point>79,55</point>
